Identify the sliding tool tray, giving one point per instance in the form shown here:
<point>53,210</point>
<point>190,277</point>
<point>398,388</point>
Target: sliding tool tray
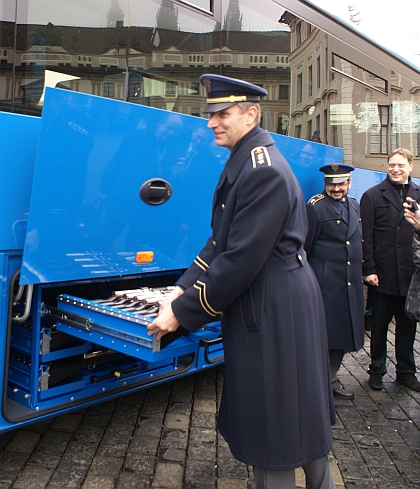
<point>120,323</point>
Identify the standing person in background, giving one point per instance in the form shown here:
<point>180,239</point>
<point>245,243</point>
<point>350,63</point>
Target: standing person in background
<point>412,215</point>
<point>277,407</point>
<point>388,267</point>
<point>334,248</point>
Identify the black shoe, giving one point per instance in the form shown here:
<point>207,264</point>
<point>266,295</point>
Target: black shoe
<point>409,380</point>
<point>375,382</point>
<point>342,393</point>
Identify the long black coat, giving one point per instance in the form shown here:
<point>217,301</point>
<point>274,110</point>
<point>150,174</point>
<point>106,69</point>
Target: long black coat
<point>334,248</point>
<point>387,237</point>
<point>277,409</point>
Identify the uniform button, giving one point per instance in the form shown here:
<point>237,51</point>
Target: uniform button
<point>299,257</point>
<point>223,206</point>
<point>347,242</point>
<point>338,222</point>
<point>349,284</point>
<point>214,243</point>
<point>348,263</point>
<point>360,219</point>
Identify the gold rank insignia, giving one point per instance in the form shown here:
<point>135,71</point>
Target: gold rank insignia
<point>260,156</point>
<point>316,198</point>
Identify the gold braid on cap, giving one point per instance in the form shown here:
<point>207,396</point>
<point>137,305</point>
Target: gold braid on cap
<point>233,98</point>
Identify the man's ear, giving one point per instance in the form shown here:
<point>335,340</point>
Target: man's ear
<point>251,114</point>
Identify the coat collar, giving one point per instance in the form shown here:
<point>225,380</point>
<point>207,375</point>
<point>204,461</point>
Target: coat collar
<point>391,194</point>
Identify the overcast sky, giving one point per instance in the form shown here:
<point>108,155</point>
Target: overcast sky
<point>395,24</point>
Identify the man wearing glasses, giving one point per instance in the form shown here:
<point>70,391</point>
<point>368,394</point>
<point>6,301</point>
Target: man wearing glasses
<point>388,267</point>
<point>334,248</point>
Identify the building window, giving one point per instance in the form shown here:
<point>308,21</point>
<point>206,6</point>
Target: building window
<point>195,88</point>
<point>284,92</point>
<point>299,86</point>
<point>108,89</point>
<point>309,129</point>
<point>318,72</point>
<point>171,88</point>
<point>298,131</point>
<point>135,89</point>
<point>282,124</point>
<point>310,81</point>
<point>379,138</point>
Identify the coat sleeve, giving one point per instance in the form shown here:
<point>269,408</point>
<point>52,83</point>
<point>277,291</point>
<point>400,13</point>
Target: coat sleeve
<point>200,264</point>
<point>314,228</point>
<point>416,249</point>
<point>261,210</point>
<point>367,212</point>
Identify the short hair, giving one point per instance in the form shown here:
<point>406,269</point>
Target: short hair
<point>406,153</point>
<point>244,106</point>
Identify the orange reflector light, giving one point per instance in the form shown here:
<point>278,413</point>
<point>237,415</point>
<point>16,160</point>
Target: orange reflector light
<point>144,256</point>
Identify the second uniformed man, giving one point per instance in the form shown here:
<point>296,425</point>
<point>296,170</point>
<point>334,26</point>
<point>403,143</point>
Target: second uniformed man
<point>334,248</point>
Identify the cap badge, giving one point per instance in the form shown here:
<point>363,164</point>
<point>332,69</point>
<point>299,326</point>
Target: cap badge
<point>335,167</point>
<point>207,84</point>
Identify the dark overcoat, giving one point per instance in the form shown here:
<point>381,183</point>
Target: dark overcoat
<point>276,409</point>
<point>334,249</point>
<point>387,237</point>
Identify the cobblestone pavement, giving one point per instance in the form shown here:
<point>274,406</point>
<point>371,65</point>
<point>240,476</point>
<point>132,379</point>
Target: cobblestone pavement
<point>165,438</point>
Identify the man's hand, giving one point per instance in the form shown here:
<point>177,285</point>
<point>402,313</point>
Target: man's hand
<point>166,322</point>
<point>412,217</point>
<point>371,280</point>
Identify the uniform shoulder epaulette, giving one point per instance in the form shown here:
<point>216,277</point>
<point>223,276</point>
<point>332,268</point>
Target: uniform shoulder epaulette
<point>260,156</point>
<point>316,198</point>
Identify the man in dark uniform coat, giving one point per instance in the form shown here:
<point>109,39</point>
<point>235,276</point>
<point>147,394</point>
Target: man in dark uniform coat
<point>334,249</point>
<point>388,267</point>
<point>277,406</point>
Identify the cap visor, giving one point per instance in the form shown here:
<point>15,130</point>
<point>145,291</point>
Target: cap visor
<point>212,108</point>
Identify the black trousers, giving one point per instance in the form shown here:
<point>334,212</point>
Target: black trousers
<point>384,308</point>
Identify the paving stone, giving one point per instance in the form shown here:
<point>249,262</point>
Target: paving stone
<point>24,442</point>
<point>106,466</point>
<point>168,476</point>
<point>33,477</point>
<point>139,464</point>
<point>227,483</point>
<point>132,481</point>
<point>13,462</point>
<point>176,421</point>
<point>66,422</point>
<point>174,439</point>
<point>171,455</point>
<point>202,452</point>
<point>68,474</point>
<point>199,474</point>
<point>98,482</point>
<point>203,420</point>
<point>149,426</point>
<point>144,445</point>
<point>55,441</point>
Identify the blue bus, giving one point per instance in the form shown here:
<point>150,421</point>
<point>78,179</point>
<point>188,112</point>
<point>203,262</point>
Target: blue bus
<point>108,169</point>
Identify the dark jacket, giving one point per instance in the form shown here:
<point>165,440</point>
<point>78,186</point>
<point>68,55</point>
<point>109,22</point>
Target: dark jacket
<point>276,409</point>
<point>387,237</point>
<point>334,248</point>
<point>412,306</point>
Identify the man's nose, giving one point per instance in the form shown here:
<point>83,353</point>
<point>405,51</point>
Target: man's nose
<point>212,122</point>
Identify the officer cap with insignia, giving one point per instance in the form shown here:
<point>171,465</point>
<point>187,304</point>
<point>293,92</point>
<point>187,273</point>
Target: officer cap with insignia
<point>336,172</point>
<point>223,92</point>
